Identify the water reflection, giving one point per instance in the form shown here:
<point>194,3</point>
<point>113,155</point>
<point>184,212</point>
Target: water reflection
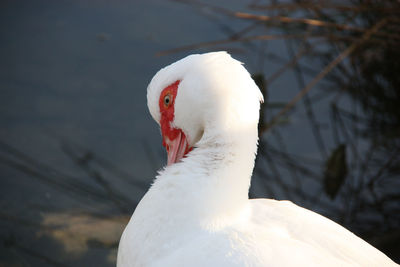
<point>76,232</point>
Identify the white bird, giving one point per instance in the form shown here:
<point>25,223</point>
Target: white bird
<point>197,212</point>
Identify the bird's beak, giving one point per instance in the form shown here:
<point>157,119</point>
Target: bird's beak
<point>176,148</point>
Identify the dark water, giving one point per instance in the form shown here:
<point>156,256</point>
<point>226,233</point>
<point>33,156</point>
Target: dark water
<point>73,83</point>
<point>78,148</point>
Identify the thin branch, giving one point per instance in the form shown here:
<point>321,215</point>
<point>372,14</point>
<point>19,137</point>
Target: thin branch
<point>121,202</point>
<point>311,22</point>
<point>235,39</point>
<point>321,5</point>
<point>34,253</point>
<point>293,62</point>
<point>307,104</point>
<point>325,71</point>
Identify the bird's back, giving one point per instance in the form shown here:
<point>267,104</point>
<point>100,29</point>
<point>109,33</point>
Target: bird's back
<point>277,233</point>
<point>289,235</point>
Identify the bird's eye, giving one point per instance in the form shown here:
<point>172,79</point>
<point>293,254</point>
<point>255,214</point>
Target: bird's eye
<point>167,100</point>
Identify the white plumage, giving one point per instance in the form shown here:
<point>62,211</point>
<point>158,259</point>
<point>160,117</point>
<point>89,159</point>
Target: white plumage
<point>197,212</point>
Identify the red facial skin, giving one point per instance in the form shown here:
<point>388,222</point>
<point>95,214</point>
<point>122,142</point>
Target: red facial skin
<point>167,111</point>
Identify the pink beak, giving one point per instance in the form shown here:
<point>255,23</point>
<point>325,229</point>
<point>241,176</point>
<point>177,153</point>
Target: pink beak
<point>177,148</point>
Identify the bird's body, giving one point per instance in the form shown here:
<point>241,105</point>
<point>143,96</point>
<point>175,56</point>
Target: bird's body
<point>197,212</point>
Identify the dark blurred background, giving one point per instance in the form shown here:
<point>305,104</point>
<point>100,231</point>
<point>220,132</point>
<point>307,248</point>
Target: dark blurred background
<point>78,148</point>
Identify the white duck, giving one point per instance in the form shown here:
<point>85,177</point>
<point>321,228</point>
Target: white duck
<point>197,212</point>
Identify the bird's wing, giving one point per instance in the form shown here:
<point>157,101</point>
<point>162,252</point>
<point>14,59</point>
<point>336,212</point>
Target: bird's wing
<point>302,235</point>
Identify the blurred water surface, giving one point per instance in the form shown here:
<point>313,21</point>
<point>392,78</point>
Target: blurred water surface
<point>73,94</point>
<point>78,148</point>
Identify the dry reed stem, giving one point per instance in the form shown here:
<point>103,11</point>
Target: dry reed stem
<point>312,22</point>
<point>324,72</point>
<point>320,5</point>
<point>288,65</point>
<point>232,40</point>
<point>328,37</point>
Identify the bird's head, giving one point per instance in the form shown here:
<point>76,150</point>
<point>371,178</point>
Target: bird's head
<point>200,94</point>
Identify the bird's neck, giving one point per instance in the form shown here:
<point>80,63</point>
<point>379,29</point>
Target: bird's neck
<point>211,184</point>
<point>206,192</point>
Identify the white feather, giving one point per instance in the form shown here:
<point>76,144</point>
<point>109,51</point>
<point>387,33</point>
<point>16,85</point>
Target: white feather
<point>197,212</point>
